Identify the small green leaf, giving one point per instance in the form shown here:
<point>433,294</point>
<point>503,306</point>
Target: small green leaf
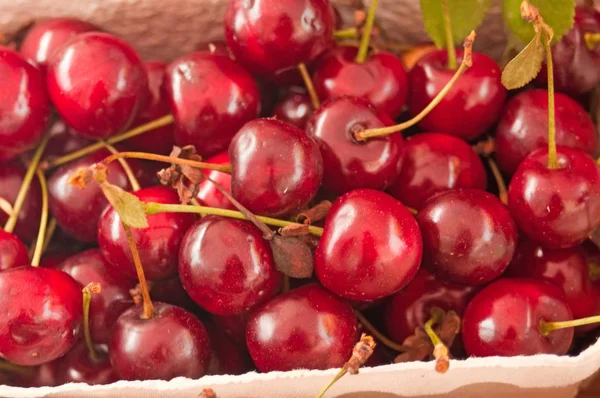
<point>525,66</point>
<point>128,206</point>
<point>465,16</point>
<point>558,14</point>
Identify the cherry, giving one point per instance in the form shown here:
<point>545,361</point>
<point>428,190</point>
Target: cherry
<point>41,314</point>
<point>24,105</point>
<point>433,163</point>
<point>411,307</point>
<point>47,36</point>
<point>523,127</point>
<point>207,193</point>
<point>556,207</point>
<point>160,140</point>
<point>171,291</point>
<point>297,31</point>
<point>305,328</point>
<point>277,169</point>
<point>13,252</point>
<point>233,325</point>
<point>504,319</point>
<point>63,140</point>
<point>211,97</point>
<point>371,246</point>
<point>76,210</point>
<point>158,244</point>
<point>78,367</point>
<point>469,237</point>
<point>478,96</point>
<point>295,109</point>
<point>98,84</point>
<point>226,266</point>
<point>173,343</point>
<point>381,79</point>
<point>53,259</point>
<point>349,164</point>
<point>228,358</point>
<point>105,307</point>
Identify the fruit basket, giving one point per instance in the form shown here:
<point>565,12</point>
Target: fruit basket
<point>458,317</point>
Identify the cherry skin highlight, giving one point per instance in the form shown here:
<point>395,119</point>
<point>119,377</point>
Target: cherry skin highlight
<point>305,328</point>
<point>371,246</point>
<point>504,319</point>
<point>208,194</point>
<point>295,109</point>
<point>13,252</point>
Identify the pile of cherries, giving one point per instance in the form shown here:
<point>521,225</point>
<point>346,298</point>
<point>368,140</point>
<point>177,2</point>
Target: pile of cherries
<point>411,226</point>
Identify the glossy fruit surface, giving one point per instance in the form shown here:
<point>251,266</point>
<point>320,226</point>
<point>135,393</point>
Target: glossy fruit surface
<point>305,328</point>
<point>98,84</point>
<point>295,109</point>
<point>277,168</point>
<point>503,319</point>
<point>78,367</point>
<point>207,193</point>
<point>371,246</point>
<point>13,252</point>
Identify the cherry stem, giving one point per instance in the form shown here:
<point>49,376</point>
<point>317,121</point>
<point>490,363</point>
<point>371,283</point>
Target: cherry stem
<point>6,206</point>
<point>449,39</point>
<point>155,208</point>
<point>87,298</point>
<point>160,122</point>
<point>10,367</point>
<point>502,192</point>
<point>148,311</point>
<point>342,34</point>
<point>310,87</point>
<point>440,351</point>
<point>135,185</point>
<point>378,335</point>
<point>11,223</point>
<point>547,327</point>
<point>49,233</point>
<point>39,243</point>
<point>591,40</point>
<point>338,376</point>
<point>225,168</point>
<point>363,50</point>
<point>467,61</point>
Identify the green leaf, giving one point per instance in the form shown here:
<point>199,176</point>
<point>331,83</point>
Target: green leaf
<point>465,16</point>
<point>558,14</point>
<point>525,66</point>
<point>128,206</point>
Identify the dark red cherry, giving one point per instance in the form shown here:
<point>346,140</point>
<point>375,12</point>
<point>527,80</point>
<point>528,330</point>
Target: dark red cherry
<point>410,308</point>
<point>211,97</point>
<point>171,291</point>
<point>47,36</point>
<point>295,109</point>
<point>162,139</point>
<point>433,163</point>
<point>266,36</point>
<point>371,246</point>
<point>504,319</point>
<point>557,208</point>
<point>53,259</point>
<point>173,343</point>
<point>158,244</point>
<point>277,169</point>
<point>64,140</point>
<point>24,105</point>
<point>98,84</point>
<point>13,252</point>
<point>523,127</point>
<point>233,325</point>
<point>347,163</point>
<point>76,210</point>
<point>78,367</point>
<point>11,177</point>
<point>469,237</point>
<point>305,328</point>
<point>207,193</point>
<point>41,314</point>
<point>228,358</point>
<point>44,375</point>
<point>472,105</point>
<point>106,306</point>
<point>226,266</point>
<point>381,79</point>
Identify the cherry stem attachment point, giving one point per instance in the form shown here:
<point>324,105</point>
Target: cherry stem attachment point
<point>225,168</point>
<point>148,310</point>
<point>135,185</point>
<point>310,87</point>
<point>349,33</point>
<point>378,335</point>
<point>449,39</point>
<point>547,327</point>
<point>502,192</point>
<point>92,288</point>
<point>440,351</point>
<point>363,50</point>
<point>465,64</point>
<point>41,238</point>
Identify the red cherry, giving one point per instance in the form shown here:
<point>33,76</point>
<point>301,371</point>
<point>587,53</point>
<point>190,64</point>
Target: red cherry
<point>228,358</point>
<point>433,163</point>
<point>381,79</point>
<point>173,343</point>
<point>349,164</point>
<point>41,314</point>
<point>523,127</point>
<point>98,84</point>
<point>504,319</point>
<point>557,208</point>
<point>64,140</point>
<point>13,252</point>
<point>266,36</point>
<point>472,105</point>
<point>305,328</point>
<point>171,291</point>
<point>295,109</point>
<point>226,266</point>
<point>207,193</point>
<point>211,97</point>
<point>233,325</point>
<point>277,169</point>
<point>371,246</point>
<point>78,367</point>
<point>24,105</point>
<point>158,244</point>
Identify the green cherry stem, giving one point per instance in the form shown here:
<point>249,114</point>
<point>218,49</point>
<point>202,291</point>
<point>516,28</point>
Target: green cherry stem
<point>310,87</point>
<point>135,185</point>
<point>547,327</point>
<point>92,288</point>
<point>502,191</point>
<point>383,339</point>
<point>148,310</point>
<point>363,50</point>
<point>39,243</point>
<point>449,39</point>
<point>343,34</point>
<point>440,351</point>
<point>225,168</point>
<point>591,40</point>
<point>6,206</point>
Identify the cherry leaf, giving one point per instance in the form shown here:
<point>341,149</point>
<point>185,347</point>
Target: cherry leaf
<point>525,66</point>
<point>292,257</point>
<point>558,14</point>
<point>465,16</point>
<point>128,206</point>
